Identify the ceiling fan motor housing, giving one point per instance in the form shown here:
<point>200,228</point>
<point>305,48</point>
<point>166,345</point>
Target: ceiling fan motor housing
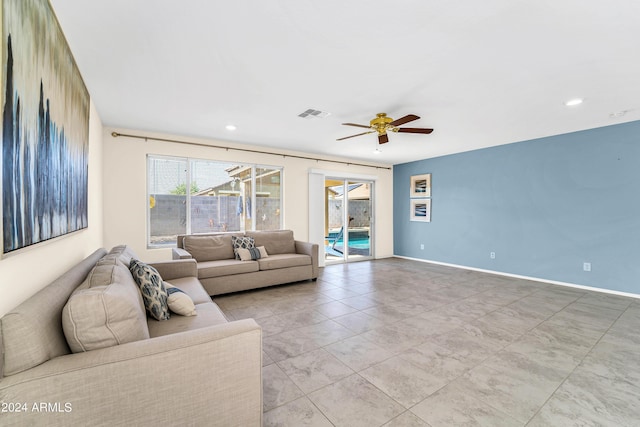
<point>381,123</point>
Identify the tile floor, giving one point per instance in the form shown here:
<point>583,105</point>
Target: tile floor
<point>401,343</point>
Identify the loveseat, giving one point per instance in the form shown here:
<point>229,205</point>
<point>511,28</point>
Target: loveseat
<point>82,351</point>
<point>283,260</point>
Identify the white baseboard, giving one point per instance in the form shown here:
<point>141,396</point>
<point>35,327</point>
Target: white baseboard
<point>517,276</point>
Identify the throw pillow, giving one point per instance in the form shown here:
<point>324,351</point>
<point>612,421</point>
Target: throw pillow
<point>250,254</point>
<point>241,242</point>
<point>179,302</point>
<point>152,288</point>
<point>263,252</point>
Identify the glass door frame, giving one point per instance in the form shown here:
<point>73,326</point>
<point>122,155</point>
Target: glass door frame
<point>346,182</point>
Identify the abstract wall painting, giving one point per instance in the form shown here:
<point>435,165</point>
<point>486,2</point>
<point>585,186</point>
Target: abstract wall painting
<point>45,129</point>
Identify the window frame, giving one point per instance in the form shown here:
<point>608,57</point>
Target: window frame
<point>189,166</point>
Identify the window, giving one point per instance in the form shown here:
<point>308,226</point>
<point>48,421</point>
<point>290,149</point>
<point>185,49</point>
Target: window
<point>268,199</point>
<point>167,180</point>
<point>222,197</point>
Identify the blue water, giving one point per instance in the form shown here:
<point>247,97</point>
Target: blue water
<point>355,243</point>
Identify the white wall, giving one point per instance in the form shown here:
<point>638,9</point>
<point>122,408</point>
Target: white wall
<point>26,271</point>
<point>118,203</point>
<point>125,194</point>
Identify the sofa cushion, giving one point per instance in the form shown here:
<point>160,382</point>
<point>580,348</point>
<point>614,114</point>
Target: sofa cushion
<point>118,254</point>
<point>225,268</point>
<point>241,242</point>
<point>154,294</point>
<point>283,261</point>
<point>275,242</point>
<point>104,311</point>
<point>209,248</point>
<point>179,302</point>
<point>31,332</point>
<point>208,315</point>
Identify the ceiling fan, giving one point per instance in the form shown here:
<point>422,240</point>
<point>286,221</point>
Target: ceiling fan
<point>383,124</point>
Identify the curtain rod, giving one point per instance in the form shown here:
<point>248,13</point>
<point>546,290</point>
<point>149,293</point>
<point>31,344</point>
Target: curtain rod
<point>199,144</point>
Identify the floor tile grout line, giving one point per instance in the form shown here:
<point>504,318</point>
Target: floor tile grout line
<point>575,367</point>
<point>518,339</point>
<point>319,409</point>
<point>398,353</point>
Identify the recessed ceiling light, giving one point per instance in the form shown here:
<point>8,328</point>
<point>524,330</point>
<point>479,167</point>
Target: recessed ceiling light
<point>574,102</point>
<point>230,127</point>
<point>377,151</point>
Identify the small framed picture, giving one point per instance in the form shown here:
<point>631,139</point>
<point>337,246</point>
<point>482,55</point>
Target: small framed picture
<point>421,185</point>
<point>421,210</point>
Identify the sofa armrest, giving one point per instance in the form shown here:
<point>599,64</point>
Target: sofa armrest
<point>311,249</point>
<point>179,253</point>
<point>176,268</point>
<point>208,376</point>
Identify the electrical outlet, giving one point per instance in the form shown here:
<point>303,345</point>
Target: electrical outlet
<point>586,266</point>
<point>421,246</point>
<point>492,255</point>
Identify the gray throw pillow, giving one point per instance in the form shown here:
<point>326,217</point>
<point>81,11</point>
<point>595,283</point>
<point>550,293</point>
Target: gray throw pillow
<point>154,293</point>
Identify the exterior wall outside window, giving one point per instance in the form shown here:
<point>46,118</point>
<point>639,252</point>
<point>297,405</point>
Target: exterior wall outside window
<point>222,197</point>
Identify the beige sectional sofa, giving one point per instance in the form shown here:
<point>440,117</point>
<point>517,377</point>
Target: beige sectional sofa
<point>219,271</point>
<point>126,368</point>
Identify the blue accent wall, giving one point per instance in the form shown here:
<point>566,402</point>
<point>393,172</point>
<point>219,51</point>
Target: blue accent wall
<point>544,206</point>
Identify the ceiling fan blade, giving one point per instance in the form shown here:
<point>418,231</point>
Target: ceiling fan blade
<point>402,120</point>
<point>353,136</point>
<point>415,130</point>
<point>357,125</point>
<point>383,139</point>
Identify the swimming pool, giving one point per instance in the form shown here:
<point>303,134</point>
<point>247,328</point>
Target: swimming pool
<point>357,243</point>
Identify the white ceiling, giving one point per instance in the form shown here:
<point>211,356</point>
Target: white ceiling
<point>481,73</point>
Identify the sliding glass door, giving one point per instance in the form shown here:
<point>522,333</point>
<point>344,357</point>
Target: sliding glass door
<point>348,220</point>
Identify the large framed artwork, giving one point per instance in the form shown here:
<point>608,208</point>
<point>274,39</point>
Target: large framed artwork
<point>45,129</point>
<point>421,185</point>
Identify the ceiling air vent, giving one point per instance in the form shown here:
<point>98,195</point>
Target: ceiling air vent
<point>313,114</point>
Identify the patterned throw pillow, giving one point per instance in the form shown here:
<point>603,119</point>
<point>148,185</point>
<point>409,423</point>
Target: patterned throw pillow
<point>250,254</point>
<point>241,242</point>
<point>179,302</point>
<point>152,288</point>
